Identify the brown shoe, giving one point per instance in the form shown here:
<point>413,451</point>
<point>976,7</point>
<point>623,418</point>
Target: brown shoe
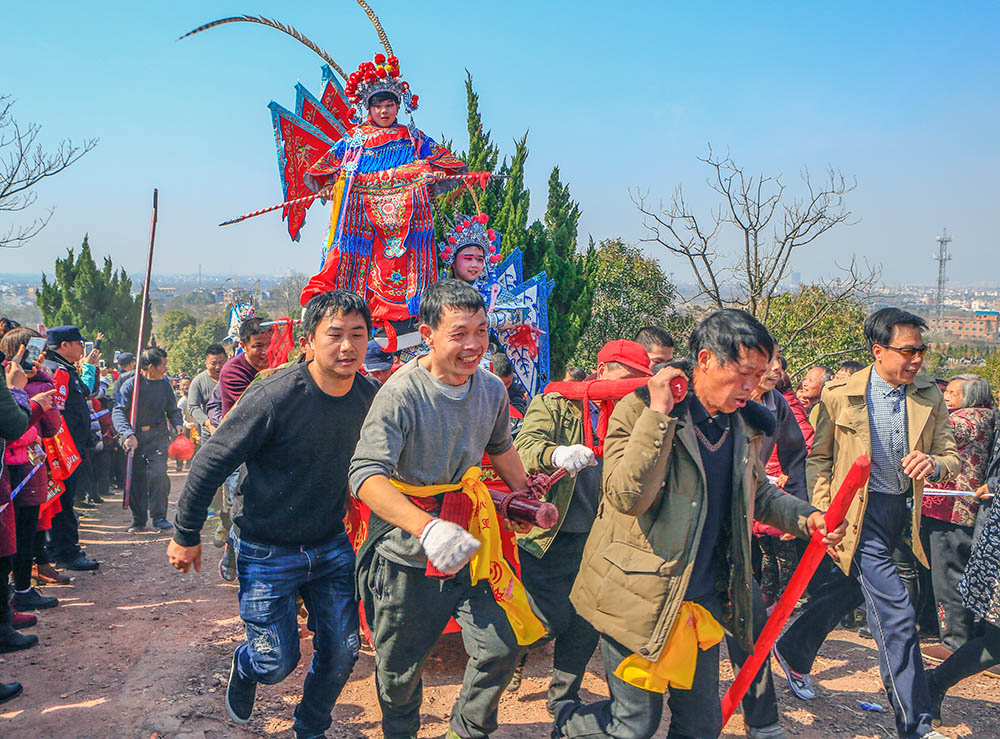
<point>49,575</point>
<point>935,652</point>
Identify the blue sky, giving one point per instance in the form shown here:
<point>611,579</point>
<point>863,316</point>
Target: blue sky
<point>901,96</point>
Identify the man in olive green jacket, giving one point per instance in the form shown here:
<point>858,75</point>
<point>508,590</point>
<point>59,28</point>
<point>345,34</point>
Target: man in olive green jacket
<point>899,419</point>
<point>552,436</point>
<point>682,486</point>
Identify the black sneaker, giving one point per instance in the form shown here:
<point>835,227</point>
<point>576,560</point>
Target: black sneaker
<point>240,695</point>
<point>14,641</point>
<point>79,563</point>
<point>32,600</point>
<point>9,691</point>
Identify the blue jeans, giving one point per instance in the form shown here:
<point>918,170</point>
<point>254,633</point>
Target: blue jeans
<point>270,578</point>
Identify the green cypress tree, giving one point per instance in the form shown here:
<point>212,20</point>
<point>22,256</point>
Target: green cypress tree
<point>91,298</point>
<point>554,246</point>
<point>548,245</point>
<point>511,218</point>
<point>505,200</point>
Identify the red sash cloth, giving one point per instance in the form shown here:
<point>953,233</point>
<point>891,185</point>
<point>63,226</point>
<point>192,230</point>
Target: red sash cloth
<point>604,393</point>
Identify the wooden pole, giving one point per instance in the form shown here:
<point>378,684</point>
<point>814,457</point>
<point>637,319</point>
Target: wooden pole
<point>134,410</point>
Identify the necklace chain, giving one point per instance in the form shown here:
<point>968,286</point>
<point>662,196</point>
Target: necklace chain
<point>709,445</point>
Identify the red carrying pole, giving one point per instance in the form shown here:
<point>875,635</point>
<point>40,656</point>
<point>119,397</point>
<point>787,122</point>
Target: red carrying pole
<point>856,478</point>
<point>134,410</point>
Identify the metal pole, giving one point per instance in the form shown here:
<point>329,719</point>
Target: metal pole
<point>134,410</point>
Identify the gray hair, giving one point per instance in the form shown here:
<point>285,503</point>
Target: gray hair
<point>976,391</point>
<point>827,372</point>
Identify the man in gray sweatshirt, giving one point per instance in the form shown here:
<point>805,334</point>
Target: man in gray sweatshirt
<point>428,425</point>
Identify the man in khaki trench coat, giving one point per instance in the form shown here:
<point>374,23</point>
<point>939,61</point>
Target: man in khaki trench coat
<point>682,486</point>
<point>898,419</point>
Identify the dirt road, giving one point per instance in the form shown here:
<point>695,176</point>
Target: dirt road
<point>138,650</point>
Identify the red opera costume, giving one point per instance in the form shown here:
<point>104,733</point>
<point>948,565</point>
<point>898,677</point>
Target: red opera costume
<point>378,179</point>
<point>381,242</point>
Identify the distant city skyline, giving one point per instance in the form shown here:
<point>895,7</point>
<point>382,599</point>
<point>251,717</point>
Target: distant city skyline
<point>901,97</point>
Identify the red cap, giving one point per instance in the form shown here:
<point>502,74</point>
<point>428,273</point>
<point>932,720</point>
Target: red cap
<point>629,353</point>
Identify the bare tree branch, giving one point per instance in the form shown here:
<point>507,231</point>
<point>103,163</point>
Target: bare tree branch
<point>23,165</point>
<point>678,230</point>
<point>769,227</point>
<point>857,284</point>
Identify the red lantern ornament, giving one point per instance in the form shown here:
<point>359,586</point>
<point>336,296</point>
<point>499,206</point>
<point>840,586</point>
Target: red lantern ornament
<point>393,60</point>
<point>380,58</point>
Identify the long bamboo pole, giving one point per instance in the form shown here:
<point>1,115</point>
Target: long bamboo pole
<point>134,410</point>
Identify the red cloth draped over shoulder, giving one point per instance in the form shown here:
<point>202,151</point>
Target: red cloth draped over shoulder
<point>604,393</point>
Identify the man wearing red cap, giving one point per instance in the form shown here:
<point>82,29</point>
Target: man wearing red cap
<point>552,436</point>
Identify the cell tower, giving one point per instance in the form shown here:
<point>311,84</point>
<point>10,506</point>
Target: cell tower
<point>942,258</point>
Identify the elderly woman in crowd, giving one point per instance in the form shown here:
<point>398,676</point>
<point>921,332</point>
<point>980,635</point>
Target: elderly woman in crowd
<point>948,522</point>
<point>980,588</point>
<point>783,452</point>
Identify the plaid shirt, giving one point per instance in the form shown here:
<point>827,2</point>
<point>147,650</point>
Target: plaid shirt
<point>890,437</point>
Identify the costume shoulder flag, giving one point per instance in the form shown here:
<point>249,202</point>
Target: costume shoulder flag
<point>303,137</point>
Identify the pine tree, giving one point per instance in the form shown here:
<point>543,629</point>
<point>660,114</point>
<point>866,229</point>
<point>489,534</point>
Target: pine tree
<point>505,200</point>
<point>630,291</point>
<point>511,219</point>
<point>548,245</point>
<point>91,298</point>
<point>551,247</point>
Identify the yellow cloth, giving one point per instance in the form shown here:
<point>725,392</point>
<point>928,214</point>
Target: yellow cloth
<point>488,563</point>
<point>694,629</point>
<point>335,201</point>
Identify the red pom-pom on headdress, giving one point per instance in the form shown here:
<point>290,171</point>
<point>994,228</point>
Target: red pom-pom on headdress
<point>380,75</point>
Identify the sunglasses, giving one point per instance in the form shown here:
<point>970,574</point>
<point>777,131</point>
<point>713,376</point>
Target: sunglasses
<point>909,351</point>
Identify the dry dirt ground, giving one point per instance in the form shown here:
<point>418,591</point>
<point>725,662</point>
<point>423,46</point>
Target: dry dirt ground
<point>138,650</point>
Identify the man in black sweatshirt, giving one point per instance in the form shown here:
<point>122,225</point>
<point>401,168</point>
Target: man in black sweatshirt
<point>157,416</point>
<point>295,432</point>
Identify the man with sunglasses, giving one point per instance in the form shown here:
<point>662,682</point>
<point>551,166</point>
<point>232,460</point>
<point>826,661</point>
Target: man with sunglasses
<point>899,420</point>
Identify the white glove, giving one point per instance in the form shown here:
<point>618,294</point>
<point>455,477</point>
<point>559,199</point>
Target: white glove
<point>447,545</point>
<point>573,458</point>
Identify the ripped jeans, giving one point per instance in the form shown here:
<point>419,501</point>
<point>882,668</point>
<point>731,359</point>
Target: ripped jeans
<point>271,576</point>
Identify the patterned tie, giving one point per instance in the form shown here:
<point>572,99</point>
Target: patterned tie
<point>898,440</point>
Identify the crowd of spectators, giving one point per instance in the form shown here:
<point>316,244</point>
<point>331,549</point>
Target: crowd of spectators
<point>65,417</point>
<point>65,434</point>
